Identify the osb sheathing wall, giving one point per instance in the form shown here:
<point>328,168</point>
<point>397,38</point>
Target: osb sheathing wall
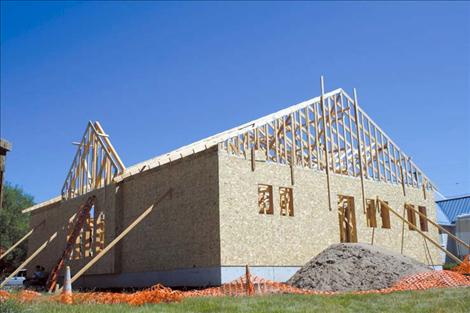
<point>248,237</point>
<point>56,216</point>
<point>182,231</point>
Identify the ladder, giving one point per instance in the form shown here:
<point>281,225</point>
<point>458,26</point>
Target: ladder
<point>82,214</point>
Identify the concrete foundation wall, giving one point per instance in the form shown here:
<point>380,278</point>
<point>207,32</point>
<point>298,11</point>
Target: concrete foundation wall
<point>248,237</point>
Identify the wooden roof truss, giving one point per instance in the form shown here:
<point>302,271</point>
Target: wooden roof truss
<point>299,138</point>
<point>95,165</point>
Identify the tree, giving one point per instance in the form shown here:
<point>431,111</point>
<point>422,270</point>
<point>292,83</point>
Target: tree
<point>14,224</point>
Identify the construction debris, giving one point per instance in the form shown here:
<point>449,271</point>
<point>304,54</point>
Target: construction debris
<point>353,267</point>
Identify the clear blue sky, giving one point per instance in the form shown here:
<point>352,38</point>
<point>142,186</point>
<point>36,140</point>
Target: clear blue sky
<point>161,75</point>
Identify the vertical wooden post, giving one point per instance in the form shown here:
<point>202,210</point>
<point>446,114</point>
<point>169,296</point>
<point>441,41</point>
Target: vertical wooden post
<point>370,151</point>
<point>402,174</point>
<point>266,132</point>
<point>284,135</point>
<point>322,104</point>
<point>301,138</point>
<point>344,136</point>
<point>292,168</point>
<point>317,135</point>
<point>276,140</point>
<point>359,150</point>
<point>353,162</point>
<point>253,160</point>
<point>403,230</point>
<point>309,143</point>
<point>373,233</point>
<point>329,125</point>
<point>294,144</point>
<point>423,183</point>
<point>338,140</point>
<point>377,155</point>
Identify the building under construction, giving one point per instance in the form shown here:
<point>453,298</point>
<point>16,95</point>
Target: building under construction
<point>271,193</point>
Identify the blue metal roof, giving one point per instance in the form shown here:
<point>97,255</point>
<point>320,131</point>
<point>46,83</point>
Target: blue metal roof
<point>450,209</point>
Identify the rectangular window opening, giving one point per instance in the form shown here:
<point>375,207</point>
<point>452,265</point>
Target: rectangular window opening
<point>423,222</point>
<point>265,199</point>
<point>99,234</point>
<point>410,213</point>
<point>371,213</point>
<point>385,216</point>
<point>347,219</point>
<point>88,240</point>
<point>286,201</point>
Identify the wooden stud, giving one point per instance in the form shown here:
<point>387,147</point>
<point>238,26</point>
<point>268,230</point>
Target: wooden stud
<point>336,131</point>
<point>402,230</point>
<point>293,125</point>
<point>322,87</point>
<point>292,170</point>
<point>253,161</point>
<point>266,138</point>
<point>276,141</point>
<point>284,138</point>
<point>110,146</point>
<point>344,138</point>
<point>402,174</point>
<point>329,121</point>
<point>309,144</point>
<point>359,148</point>
<point>369,135</point>
<point>424,188</point>
<point>317,137</point>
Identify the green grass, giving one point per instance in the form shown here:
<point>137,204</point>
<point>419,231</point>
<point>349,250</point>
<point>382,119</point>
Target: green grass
<point>439,300</point>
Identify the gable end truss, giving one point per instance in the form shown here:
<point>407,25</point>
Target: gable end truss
<point>331,129</point>
<point>95,165</point>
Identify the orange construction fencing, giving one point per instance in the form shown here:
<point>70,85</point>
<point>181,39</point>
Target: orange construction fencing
<point>246,285</point>
<point>464,267</point>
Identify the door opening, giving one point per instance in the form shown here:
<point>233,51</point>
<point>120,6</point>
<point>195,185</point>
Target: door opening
<point>347,219</point>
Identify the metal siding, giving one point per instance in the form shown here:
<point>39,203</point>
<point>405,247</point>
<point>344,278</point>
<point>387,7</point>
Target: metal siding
<point>452,208</point>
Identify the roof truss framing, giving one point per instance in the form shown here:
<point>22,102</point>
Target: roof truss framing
<point>299,138</point>
<point>95,165</point>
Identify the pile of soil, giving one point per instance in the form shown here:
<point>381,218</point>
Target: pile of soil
<point>355,266</point>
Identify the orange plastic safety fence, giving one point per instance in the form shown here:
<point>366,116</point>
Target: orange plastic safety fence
<point>434,279</point>
<point>464,267</point>
<point>27,296</point>
<point>420,281</point>
<point>4,295</point>
<point>155,294</point>
<point>245,285</point>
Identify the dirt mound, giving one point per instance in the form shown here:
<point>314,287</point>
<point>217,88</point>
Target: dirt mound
<point>354,266</point>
